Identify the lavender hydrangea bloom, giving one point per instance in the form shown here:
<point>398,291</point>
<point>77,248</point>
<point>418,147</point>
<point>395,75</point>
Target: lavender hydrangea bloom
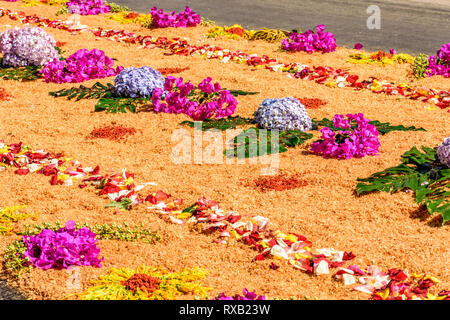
<point>138,82</point>
<point>27,46</point>
<point>283,114</point>
<point>443,152</point>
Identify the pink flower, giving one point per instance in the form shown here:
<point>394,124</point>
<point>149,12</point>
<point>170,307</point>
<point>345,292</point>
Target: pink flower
<point>81,66</point>
<point>348,138</point>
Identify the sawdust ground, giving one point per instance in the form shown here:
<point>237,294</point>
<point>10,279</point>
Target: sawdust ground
<point>382,229</point>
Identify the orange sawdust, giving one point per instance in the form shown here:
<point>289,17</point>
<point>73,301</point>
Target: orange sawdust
<point>312,103</point>
<point>115,133</point>
<point>169,71</point>
<point>4,95</point>
<point>278,182</point>
<point>388,230</point>
<point>143,282</point>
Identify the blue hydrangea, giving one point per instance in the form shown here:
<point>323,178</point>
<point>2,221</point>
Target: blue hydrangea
<point>443,152</point>
<point>138,82</point>
<point>283,114</point>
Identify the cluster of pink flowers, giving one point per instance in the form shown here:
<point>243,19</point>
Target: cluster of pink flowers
<point>351,137</point>
<point>247,296</point>
<point>186,18</point>
<point>88,7</point>
<point>440,63</point>
<point>206,101</point>
<point>310,42</point>
<point>63,248</point>
<point>81,66</point>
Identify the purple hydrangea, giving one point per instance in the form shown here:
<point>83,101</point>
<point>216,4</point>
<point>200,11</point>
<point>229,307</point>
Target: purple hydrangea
<point>205,102</point>
<point>88,7</point>
<point>357,138</point>
<point>186,18</point>
<point>247,296</point>
<point>62,248</point>
<point>27,46</point>
<point>138,82</point>
<point>310,42</point>
<point>81,66</point>
<point>283,114</point>
<point>443,152</point>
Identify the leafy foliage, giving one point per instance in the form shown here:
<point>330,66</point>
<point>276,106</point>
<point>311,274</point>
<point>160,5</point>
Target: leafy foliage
<point>103,231</point>
<point>117,104</point>
<point>257,142</point>
<point>241,92</point>
<point>114,7</point>
<point>9,216</point>
<point>28,73</point>
<point>422,173</point>
<point>221,124</point>
<point>60,52</point>
<point>97,91</point>
<point>382,127</point>
<point>109,101</point>
<point>421,64</point>
<point>123,204</point>
<point>14,260</point>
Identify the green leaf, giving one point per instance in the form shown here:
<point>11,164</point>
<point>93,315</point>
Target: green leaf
<point>221,124</point>
<point>117,104</point>
<point>29,73</point>
<point>386,127</point>
<point>97,91</point>
<point>123,204</point>
<point>421,172</point>
<point>241,92</point>
<point>255,142</point>
<point>190,209</point>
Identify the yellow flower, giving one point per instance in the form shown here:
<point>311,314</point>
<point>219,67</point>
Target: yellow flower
<point>184,215</point>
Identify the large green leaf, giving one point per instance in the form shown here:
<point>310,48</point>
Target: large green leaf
<point>97,91</point>
<point>256,142</point>
<point>28,73</point>
<point>421,172</point>
<point>221,124</point>
<point>116,104</point>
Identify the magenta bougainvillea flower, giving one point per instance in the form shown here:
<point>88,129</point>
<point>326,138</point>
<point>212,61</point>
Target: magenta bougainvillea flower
<point>351,137</point>
<point>247,296</point>
<point>310,42</point>
<point>81,66</point>
<point>88,7</point>
<point>358,46</point>
<point>206,101</point>
<point>440,63</point>
<point>186,18</point>
<point>63,248</point>
<point>444,52</point>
